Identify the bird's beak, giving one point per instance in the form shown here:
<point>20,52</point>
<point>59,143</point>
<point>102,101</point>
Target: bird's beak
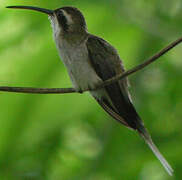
<point>46,11</point>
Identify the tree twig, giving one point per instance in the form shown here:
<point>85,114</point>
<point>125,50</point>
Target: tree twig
<point>107,82</point>
<point>144,64</point>
<point>31,90</point>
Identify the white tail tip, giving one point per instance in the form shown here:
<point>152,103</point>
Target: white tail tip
<point>155,150</point>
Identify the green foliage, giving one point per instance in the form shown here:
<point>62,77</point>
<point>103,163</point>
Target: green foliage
<point>69,137</point>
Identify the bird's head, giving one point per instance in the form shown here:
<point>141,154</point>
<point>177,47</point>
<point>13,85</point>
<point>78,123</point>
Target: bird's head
<point>64,20</point>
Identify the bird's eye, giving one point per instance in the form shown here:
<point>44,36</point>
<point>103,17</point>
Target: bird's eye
<point>62,20</point>
<point>60,14</point>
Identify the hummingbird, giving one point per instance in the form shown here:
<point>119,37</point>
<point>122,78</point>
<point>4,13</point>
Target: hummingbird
<point>90,60</point>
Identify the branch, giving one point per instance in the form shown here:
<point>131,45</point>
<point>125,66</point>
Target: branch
<point>142,65</point>
<point>31,90</point>
<point>107,82</point>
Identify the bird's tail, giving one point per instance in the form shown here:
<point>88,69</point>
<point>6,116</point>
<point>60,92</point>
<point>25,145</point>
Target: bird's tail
<point>147,138</point>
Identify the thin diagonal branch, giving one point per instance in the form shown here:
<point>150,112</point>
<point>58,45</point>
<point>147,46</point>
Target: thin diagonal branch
<point>142,65</point>
<point>107,82</point>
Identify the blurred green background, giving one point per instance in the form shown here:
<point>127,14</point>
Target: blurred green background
<point>69,137</point>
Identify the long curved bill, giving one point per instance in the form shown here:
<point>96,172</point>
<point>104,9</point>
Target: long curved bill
<point>46,11</point>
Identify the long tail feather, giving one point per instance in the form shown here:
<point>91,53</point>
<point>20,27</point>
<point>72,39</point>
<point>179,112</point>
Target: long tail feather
<point>147,138</point>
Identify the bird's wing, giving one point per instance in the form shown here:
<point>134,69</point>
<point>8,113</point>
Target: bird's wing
<point>106,63</point>
<point>117,103</point>
<point>109,109</point>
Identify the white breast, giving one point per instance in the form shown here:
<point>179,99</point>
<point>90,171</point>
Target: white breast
<point>76,60</point>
